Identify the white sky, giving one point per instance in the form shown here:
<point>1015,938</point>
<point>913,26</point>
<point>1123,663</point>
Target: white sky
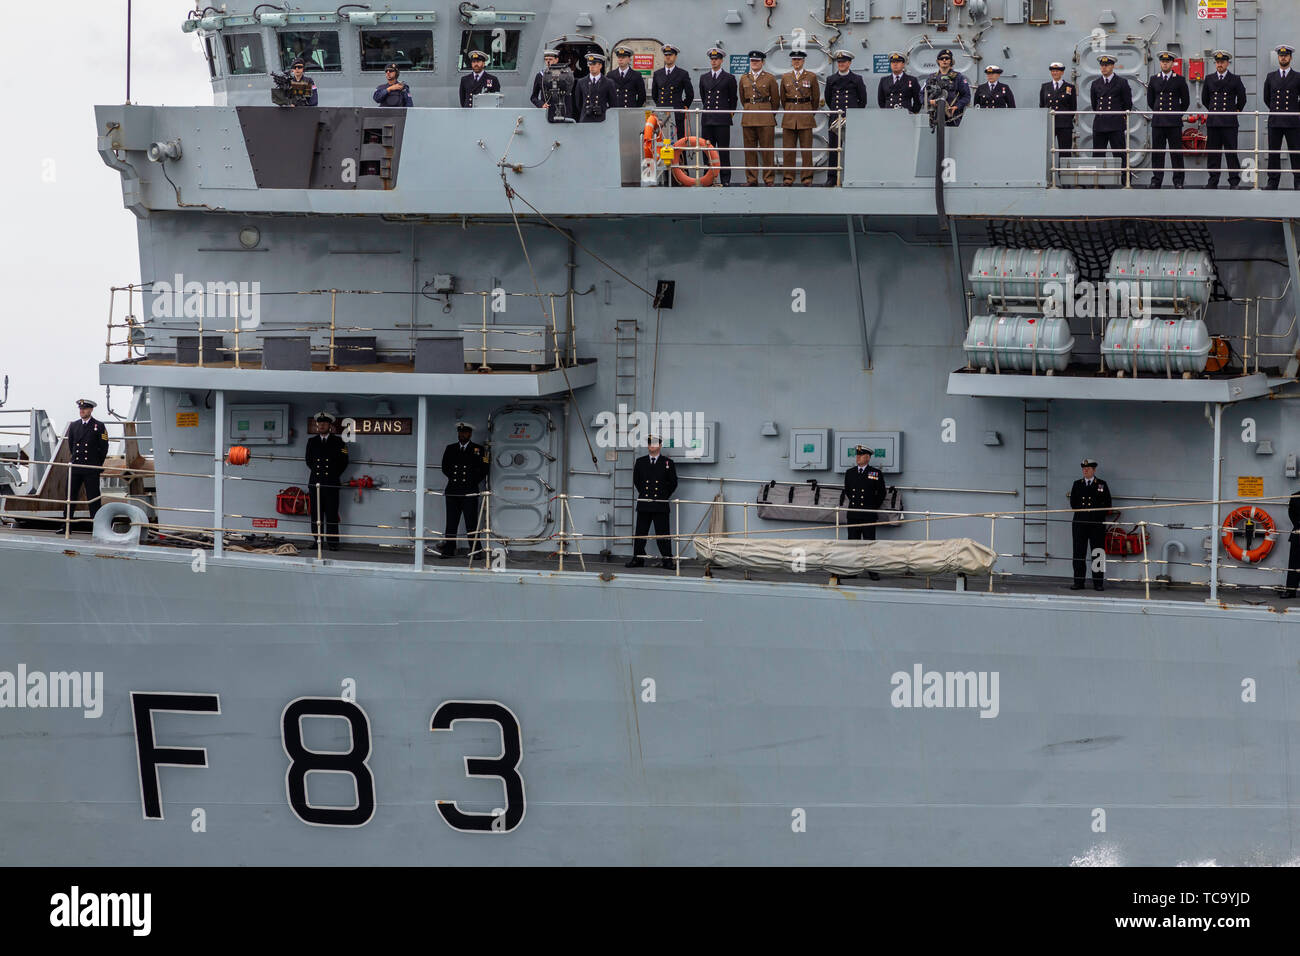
<point>66,236</point>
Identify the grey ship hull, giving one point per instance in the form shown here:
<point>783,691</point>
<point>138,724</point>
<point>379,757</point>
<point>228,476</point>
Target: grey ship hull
<point>769,698</point>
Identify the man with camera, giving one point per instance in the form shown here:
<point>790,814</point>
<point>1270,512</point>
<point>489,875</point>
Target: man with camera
<point>949,85</point>
<point>553,88</point>
<point>393,92</point>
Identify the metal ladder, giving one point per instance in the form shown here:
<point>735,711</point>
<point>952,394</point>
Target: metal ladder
<point>1245,44</point>
<point>1034,529</point>
<point>625,369</point>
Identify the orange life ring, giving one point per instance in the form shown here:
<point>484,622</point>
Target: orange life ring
<point>238,455</point>
<point>648,137</point>
<point>1249,515</point>
<point>715,164</point>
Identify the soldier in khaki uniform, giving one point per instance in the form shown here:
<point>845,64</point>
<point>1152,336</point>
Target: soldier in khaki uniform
<point>800,97</point>
<point>759,91</point>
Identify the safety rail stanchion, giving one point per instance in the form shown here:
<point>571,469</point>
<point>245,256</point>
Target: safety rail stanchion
<point>927,538</point>
<point>334,295</point>
<point>317,516</point>
<point>677,545</point>
<point>745,512</point>
<point>1146,573</point>
<point>993,530</point>
<point>562,504</point>
<point>67,507</point>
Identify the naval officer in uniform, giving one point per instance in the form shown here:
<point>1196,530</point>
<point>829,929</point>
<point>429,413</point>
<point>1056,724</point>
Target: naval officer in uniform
<point>1168,97</point>
<point>670,88</point>
<point>465,465</point>
<point>1112,98</point>
<point>629,84</point>
<point>478,80</point>
<point>655,480</point>
<point>800,99</point>
<point>1282,95</point>
<point>1090,499</point>
<point>760,98</point>
<point>87,449</point>
<point>864,490</point>
<point>327,457</point>
<point>845,90</point>
<point>1057,94</point>
<point>900,90</point>
<point>593,95</point>
<point>544,97</point>
<point>719,97</point>
<point>1224,95</point>
<point>994,94</point>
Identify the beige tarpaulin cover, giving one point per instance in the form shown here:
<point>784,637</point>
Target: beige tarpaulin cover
<point>848,557</point>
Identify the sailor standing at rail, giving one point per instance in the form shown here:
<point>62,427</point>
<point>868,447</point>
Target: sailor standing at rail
<point>655,480</point>
<point>87,449</point>
<point>465,465</point>
<point>1090,499</point>
<point>994,94</point>
<point>1282,96</point>
<point>593,95</point>
<point>1112,98</point>
<point>1168,96</point>
<point>327,458</point>
<point>1224,95</point>
<point>899,90</point>
<point>800,100</point>
<point>1057,94</point>
<point>958,88</point>
<point>845,90</point>
<point>1293,558</point>
<point>719,97</point>
<point>670,88</point>
<point>864,490</point>
<point>478,80</point>
<point>629,84</point>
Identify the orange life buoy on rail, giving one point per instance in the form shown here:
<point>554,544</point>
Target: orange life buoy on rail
<point>1248,516</point>
<point>648,137</point>
<point>238,455</point>
<point>715,164</point>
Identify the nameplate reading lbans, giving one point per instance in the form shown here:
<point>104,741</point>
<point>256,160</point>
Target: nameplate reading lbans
<point>187,419</point>
<point>1250,486</point>
<point>383,426</point>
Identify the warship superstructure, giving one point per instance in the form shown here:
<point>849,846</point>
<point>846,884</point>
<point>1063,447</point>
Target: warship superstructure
<point>978,306</point>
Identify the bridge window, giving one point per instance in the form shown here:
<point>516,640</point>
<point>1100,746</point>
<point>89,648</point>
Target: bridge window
<point>409,49</point>
<point>244,54</point>
<point>501,46</point>
<point>212,60</point>
<point>319,48</point>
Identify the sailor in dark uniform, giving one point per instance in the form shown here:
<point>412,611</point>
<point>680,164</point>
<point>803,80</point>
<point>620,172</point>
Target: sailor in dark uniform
<point>1293,557</point>
<point>959,96</point>
<point>465,465</point>
<point>1088,527</point>
<point>87,449</point>
<point>1282,95</point>
<point>994,94</point>
<point>1168,97</point>
<point>629,84</point>
<point>1058,94</point>
<point>540,96</point>
<point>864,490</point>
<point>844,91</point>
<point>1112,98</point>
<point>327,457</point>
<point>478,80</point>
<point>593,95</point>
<point>671,89</point>
<point>655,480</point>
<point>718,95</point>
<point>1224,95</point>
<point>900,90</point>
<point>393,92</point>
